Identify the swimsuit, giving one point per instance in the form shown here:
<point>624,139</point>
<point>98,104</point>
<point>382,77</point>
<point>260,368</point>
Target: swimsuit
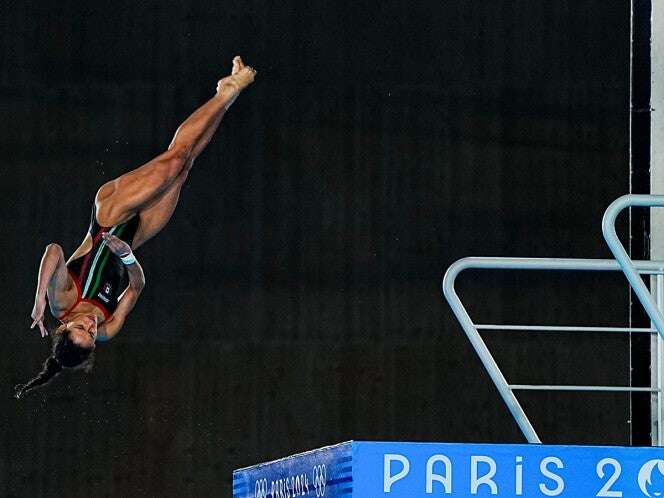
<point>99,275</point>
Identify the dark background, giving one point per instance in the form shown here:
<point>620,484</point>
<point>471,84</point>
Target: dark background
<point>294,299</point>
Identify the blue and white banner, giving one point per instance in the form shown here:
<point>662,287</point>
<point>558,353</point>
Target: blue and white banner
<point>323,472</point>
<point>413,470</point>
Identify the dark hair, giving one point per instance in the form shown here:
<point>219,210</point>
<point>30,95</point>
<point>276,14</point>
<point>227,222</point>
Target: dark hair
<point>64,354</point>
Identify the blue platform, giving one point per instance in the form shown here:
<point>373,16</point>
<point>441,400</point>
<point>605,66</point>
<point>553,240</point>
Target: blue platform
<point>360,469</point>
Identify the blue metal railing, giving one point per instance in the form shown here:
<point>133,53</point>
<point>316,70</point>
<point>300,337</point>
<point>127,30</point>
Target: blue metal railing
<point>631,269</point>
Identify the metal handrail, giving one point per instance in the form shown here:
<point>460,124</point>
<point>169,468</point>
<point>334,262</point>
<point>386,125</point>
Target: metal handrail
<point>631,269</point>
<point>609,389</point>
<point>618,250</point>
<point>560,328</point>
<point>471,330</point>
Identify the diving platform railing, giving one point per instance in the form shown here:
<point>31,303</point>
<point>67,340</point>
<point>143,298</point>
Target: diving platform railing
<point>633,270</point>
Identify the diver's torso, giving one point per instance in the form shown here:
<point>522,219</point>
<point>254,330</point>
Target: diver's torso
<point>99,276</point>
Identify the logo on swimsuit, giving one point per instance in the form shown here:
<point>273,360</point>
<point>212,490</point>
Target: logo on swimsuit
<point>107,288</point>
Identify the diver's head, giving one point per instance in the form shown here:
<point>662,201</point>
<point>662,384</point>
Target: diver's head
<point>74,341</point>
<point>82,328</point>
<point>72,348</point>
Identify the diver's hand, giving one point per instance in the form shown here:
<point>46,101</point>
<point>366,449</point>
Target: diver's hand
<point>38,315</point>
<point>117,246</point>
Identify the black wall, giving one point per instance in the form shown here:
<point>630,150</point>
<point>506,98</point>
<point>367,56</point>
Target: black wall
<point>294,299</point>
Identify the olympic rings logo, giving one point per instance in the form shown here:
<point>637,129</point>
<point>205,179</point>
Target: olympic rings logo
<point>320,479</point>
<point>260,490</point>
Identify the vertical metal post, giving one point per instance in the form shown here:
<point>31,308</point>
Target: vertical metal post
<point>656,373</point>
<point>657,187</point>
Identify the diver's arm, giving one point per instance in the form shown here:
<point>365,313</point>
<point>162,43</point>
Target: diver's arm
<point>136,276</point>
<point>52,270</point>
<point>112,326</point>
<point>123,250</point>
<point>129,297</point>
<point>52,277</point>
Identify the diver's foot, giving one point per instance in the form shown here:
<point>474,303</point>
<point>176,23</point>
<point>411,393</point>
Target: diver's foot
<point>241,77</point>
<point>237,64</point>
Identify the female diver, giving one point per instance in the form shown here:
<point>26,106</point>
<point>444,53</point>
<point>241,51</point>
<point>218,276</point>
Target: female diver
<point>92,293</point>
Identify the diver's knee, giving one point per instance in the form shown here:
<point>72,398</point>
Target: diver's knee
<point>175,160</point>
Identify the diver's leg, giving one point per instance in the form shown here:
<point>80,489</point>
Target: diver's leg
<point>155,214</point>
<point>227,91</point>
<point>119,199</point>
<point>154,217</point>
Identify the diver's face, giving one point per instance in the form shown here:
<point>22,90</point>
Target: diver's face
<point>83,330</point>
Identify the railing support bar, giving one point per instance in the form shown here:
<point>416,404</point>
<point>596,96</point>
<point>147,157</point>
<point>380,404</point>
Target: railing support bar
<point>590,389</point>
<point>618,250</point>
<point>485,356</point>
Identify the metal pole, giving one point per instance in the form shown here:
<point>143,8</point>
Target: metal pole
<point>656,371</point>
<point>562,328</point>
<point>590,389</point>
<point>618,250</point>
<point>485,356</point>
